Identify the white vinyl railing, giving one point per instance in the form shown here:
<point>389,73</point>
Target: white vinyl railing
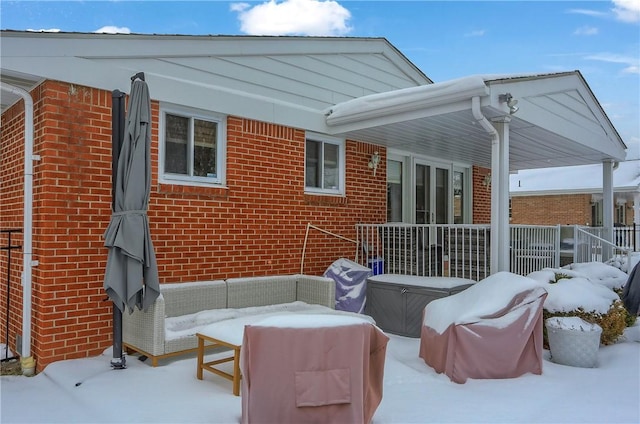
<point>463,251</point>
<point>426,250</point>
<point>592,246</point>
<point>534,247</point>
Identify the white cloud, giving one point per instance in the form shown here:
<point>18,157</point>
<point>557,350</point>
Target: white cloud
<point>44,30</point>
<point>109,29</point>
<point>632,63</point>
<point>587,12</point>
<point>627,10</point>
<point>476,33</point>
<point>623,10</point>
<point>293,17</point>
<point>586,30</point>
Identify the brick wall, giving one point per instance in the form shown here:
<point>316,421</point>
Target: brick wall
<point>481,195</point>
<point>72,191</point>
<point>551,209</point>
<point>11,217</point>
<point>257,225</point>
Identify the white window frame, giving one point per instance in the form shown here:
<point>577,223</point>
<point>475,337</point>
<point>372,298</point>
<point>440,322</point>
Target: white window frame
<point>221,144</point>
<point>325,139</point>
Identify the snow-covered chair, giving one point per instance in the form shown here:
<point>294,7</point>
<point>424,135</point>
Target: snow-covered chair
<point>493,329</point>
<point>312,368</point>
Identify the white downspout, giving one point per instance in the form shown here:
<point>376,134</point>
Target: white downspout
<point>495,173</point>
<point>27,241</point>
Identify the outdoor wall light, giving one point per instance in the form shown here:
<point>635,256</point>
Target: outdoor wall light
<point>374,162</point>
<point>487,181</point>
<point>510,101</point>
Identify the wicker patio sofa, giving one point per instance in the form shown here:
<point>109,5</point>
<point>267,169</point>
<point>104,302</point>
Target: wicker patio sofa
<point>169,326</point>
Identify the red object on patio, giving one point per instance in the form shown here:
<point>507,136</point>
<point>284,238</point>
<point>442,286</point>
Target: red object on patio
<point>312,368</point>
<point>505,342</point>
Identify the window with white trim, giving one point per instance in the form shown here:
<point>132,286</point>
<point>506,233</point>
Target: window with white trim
<point>324,164</point>
<point>192,147</point>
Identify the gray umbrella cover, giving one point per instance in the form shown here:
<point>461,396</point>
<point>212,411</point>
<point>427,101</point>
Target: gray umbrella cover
<point>131,276</point>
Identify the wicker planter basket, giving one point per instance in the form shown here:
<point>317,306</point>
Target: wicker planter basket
<point>573,341</point>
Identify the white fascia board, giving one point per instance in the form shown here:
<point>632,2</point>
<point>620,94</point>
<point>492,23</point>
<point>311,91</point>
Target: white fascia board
<point>557,192</point>
<point>127,46</point>
<point>79,71</point>
<point>568,192</point>
<point>406,104</point>
<point>231,102</point>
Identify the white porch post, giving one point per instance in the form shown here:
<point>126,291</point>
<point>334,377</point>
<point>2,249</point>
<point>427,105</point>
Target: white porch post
<point>636,219</point>
<point>636,209</point>
<point>494,247</point>
<point>607,207</point>
<point>501,213</point>
<point>607,199</point>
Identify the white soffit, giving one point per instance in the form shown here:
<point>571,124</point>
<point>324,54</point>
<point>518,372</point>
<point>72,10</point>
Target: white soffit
<point>559,122</point>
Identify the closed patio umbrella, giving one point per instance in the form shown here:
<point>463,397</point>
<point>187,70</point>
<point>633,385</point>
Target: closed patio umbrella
<point>131,275</point>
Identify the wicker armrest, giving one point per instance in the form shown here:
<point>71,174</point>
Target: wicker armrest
<point>317,290</point>
<point>145,330</point>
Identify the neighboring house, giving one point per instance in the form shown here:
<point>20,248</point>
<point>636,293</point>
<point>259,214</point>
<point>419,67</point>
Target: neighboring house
<point>573,195</point>
<point>254,138</point>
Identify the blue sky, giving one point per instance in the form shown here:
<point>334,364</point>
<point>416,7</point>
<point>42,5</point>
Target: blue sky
<point>445,39</point>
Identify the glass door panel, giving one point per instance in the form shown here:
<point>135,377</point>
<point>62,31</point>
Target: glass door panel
<point>423,194</point>
<point>441,206</point>
<point>458,197</point>
<point>394,191</point>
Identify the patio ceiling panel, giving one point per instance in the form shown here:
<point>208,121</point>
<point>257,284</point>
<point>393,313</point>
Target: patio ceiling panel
<point>455,136</point>
<point>534,147</point>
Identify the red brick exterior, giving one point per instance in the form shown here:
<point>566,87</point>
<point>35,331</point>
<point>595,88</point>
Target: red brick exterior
<point>563,209</point>
<point>481,195</point>
<point>257,225</point>
<point>551,209</point>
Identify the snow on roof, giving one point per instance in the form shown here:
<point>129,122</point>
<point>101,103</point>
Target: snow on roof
<point>408,98</point>
<point>425,95</point>
<point>584,178</point>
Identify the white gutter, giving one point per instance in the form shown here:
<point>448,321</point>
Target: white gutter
<point>495,167</point>
<point>27,242</point>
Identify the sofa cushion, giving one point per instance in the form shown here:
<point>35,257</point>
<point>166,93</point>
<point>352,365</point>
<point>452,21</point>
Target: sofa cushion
<point>260,291</point>
<point>190,324</point>
<point>188,298</point>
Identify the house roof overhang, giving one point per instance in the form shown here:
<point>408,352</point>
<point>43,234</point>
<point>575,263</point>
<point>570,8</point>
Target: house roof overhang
<point>559,121</point>
<point>283,80</point>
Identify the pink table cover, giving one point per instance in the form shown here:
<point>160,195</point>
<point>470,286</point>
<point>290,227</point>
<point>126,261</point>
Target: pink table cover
<point>312,375</point>
<point>486,349</point>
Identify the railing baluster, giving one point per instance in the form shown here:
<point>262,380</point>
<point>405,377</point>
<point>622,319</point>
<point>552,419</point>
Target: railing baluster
<point>422,249</point>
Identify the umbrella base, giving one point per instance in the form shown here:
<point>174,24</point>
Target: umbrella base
<point>119,363</point>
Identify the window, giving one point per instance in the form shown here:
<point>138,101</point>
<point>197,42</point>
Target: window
<point>192,146</point>
<point>620,217</point>
<point>324,164</point>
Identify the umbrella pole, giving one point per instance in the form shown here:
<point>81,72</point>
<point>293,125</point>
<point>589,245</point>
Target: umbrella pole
<point>119,361</point>
<point>117,136</point>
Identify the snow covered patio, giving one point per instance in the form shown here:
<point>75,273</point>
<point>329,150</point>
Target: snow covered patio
<point>413,392</point>
<point>90,391</point>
